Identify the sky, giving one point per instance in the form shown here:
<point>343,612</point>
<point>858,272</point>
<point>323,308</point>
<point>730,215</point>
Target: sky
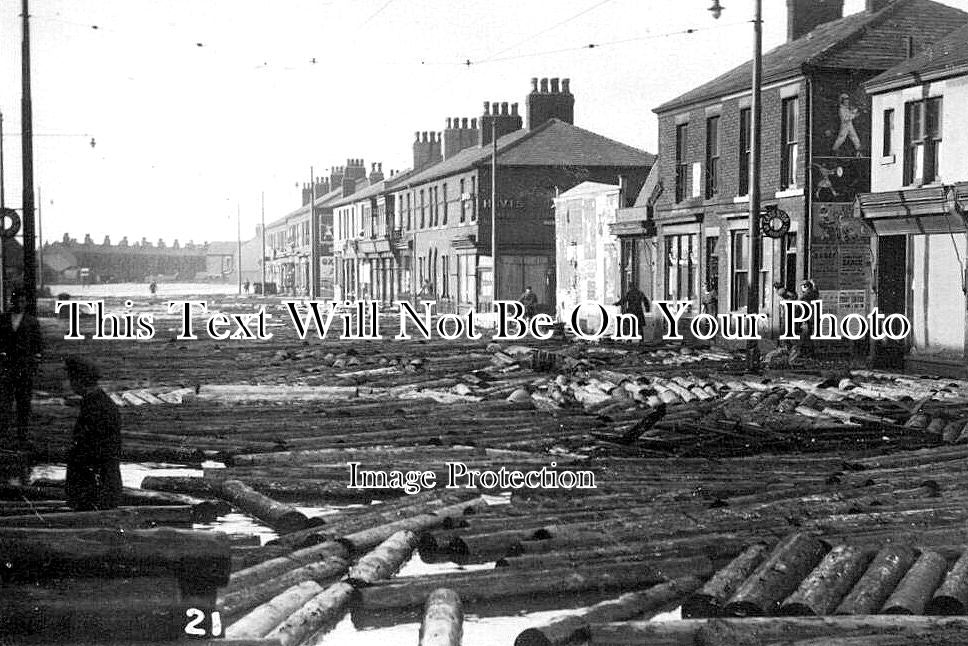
<point>199,108</point>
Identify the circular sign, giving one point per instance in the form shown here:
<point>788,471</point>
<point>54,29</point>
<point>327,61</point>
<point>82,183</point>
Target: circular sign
<point>9,223</point>
<point>774,223</point>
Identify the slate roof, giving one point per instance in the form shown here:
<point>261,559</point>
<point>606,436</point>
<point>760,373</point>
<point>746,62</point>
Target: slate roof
<point>553,143</point>
<point>867,41</point>
<point>947,57</point>
<point>372,190</point>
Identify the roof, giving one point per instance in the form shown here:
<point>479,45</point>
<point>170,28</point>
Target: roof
<point>865,40</point>
<point>587,188</point>
<point>553,143</point>
<point>372,190</point>
<point>947,57</point>
<point>221,248</point>
<point>648,188</point>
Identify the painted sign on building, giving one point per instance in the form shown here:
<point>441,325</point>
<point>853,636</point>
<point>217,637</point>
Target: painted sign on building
<point>840,258</point>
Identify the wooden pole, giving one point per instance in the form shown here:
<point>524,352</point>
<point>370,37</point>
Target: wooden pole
<point>27,148</point>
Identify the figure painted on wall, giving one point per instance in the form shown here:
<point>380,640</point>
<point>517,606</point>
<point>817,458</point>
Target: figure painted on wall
<point>825,187</point>
<point>847,131</point>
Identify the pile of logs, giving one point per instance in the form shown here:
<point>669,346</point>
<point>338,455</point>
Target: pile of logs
<point>70,586</point>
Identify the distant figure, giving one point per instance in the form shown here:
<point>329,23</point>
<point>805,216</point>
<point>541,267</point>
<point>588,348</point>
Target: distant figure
<point>806,292</point>
<point>21,345</point>
<point>153,288</point>
<point>636,303</point>
<point>530,301</point>
<point>710,300</point>
<point>94,459</point>
<point>426,289</point>
<point>245,287</point>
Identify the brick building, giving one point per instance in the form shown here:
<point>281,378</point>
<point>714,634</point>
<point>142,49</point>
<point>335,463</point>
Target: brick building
<point>439,241</point>
<point>816,158</point>
<point>919,203</point>
<point>288,248</point>
<point>70,261</point>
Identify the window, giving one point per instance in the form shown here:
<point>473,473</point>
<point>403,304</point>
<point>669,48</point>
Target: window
<point>681,265</point>
<point>444,220</point>
<point>712,264</point>
<point>745,116</point>
<point>473,198</point>
<point>463,200</point>
<point>922,141</point>
<point>630,264</point>
<point>789,147</point>
<point>682,168</point>
<point>712,157</point>
<point>888,145</point>
<point>409,212</point>
<point>740,263</point>
<point>423,210</point>
<point>445,276</point>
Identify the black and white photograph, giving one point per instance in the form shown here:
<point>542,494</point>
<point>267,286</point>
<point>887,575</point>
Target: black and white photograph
<point>507,323</point>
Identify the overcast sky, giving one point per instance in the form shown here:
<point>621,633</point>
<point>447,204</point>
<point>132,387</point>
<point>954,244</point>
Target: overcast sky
<point>198,106</point>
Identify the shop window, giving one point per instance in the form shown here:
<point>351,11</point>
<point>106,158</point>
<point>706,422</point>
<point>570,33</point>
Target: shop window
<point>681,266</point>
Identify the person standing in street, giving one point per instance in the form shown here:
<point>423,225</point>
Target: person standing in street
<point>94,459</point>
<point>21,346</point>
<point>806,292</point>
<point>636,303</point>
<point>530,301</point>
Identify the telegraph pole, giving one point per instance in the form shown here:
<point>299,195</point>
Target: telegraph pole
<point>27,151</point>
<point>238,232</point>
<point>756,127</point>
<point>263,244</point>
<point>313,240</point>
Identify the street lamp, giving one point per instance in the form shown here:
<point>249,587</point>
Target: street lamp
<point>753,293</point>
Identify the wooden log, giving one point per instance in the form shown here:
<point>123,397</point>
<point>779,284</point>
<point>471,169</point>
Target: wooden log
<point>262,619</point>
<point>90,608</point>
<point>487,585</point>
<point>710,600</point>
<point>482,548</point>
<point>324,608</point>
<point>443,619</point>
<point>918,585</point>
<point>883,574</point>
<point>384,561</point>
<point>359,542</point>
<point>952,597</point>
<point>761,631</point>
<point>238,600</point>
<point>777,576</point>
<point>274,513</point>
<point>575,627</point>
<point>121,517</point>
<point>32,554</point>
<point>261,572</point>
<point>823,588</point>
<point>203,510</point>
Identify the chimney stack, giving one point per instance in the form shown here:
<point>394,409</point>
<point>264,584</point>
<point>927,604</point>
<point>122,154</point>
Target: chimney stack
<point>457,136</point>
<point>503,122</point>
<point>558,103</point>
<point>426,149</point>
<point>803,16</point>
<point>376,173</point>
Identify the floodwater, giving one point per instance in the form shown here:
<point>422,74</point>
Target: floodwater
<point>165,290</point>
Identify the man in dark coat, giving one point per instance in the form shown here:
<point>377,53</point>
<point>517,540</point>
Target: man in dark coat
<point>94,459</point>
<point>806,292</point>
<point>21,345</point>
<point>530,302</point>
<point>636,303</point>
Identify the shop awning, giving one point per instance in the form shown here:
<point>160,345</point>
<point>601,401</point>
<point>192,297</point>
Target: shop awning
<point>933,209</point>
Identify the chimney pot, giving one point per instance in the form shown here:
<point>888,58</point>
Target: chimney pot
<point>534,84</point>
<point>448,123</point>
<point>564,86</point>
<point>423,136</point>
<point>416,136</point>
<point>554,86</point>
<point>379,167</point>
<point>463,123</point>
<point>474,124</point>
<point>544,86</point>
<point>487,107</point>
<point>504,108</point>
<point>514,109</point>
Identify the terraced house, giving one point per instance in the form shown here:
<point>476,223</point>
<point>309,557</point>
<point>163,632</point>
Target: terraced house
<point>428,231</point>
<point>816,158</point>
<point>919,203</point>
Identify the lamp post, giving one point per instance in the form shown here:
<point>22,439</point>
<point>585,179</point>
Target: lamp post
<point>753,293</point>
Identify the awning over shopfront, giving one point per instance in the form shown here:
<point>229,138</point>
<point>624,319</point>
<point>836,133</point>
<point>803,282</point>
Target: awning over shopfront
<point>933,209</point>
